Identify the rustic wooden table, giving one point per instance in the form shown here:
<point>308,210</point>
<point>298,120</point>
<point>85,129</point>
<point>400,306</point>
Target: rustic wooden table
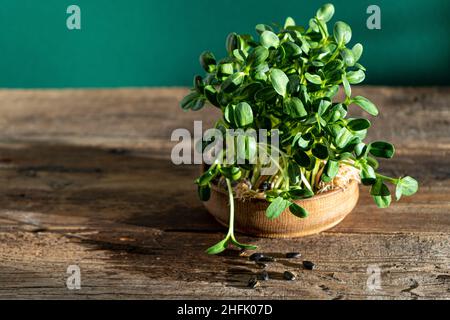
<point>86,179</point>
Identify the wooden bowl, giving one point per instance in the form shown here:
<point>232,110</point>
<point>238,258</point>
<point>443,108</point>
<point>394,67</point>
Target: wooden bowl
<point>325,211</point>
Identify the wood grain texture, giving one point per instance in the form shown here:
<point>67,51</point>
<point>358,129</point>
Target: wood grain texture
<point>86,178</point>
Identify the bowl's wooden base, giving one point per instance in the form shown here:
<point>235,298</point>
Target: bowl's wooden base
<point>325,211</point>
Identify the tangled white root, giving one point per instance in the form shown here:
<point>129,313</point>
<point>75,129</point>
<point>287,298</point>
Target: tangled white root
<point>345,174</point>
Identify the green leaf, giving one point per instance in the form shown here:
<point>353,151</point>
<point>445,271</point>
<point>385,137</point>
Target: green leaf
<point>265,94</point>
<point>359,66</point>
<point>298,211</point>
<point>313,78</point>
<point>294,108</point>
<point>302,158</point>
<point>343,137</point>
<point>232,42</point>
<point>298,193</point>
<point>240,55</point>
<point>357,51</point>
<point>251,148</point>
<point>232,82</point>
<point>260,28</point>
<point>382,149</point>
<point>314,25</point>
<point>243,246</point>
<point>198,104</point>
<point>276,207</point>
<point>342,33</point>
<point>344,156</point>
<point>246,147</point>
<point>331,168</point>
<point>355,77</point>
<point>207,61</point>
<point>302,142</point>
<point>243,114</point>
<point>198,84</point>
<point>247,92</point>
<point>358,124</point>
<point>224,69</point>
<point>206,177</point>
<point>258,55</point>
<point>323,107</point>
<point>279,81</point>
<point>325,13</point>
<point>211,94</point>
<point>260,76</point>
<point>379,188</point>
<point>294,84</point>
<point>406,186</point>
<point>348,57</point>
<point>232,173</point>
<point>269,39</point>
<point>381,194</point>
<point>271,195</point>
<point>186,103</point>
<point>204,192</point>
<point>218,247</point>
<point>228,114</point>
<point>293,173</point>
<point>365,104</point>
<point>289,22</point>
<point>360,150</point>
<point>291,49</point>
<point>382,201</point>
<point>367,174</point>
<point>320,151</point>
<point>346,84</point>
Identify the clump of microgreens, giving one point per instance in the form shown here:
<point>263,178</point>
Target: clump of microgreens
<point>288,79</point>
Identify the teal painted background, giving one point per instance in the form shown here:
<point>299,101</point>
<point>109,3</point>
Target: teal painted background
<point>157,43</point>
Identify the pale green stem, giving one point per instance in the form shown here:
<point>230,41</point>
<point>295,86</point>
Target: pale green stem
<point>231,199</point>
<point>392,180</point>
<point>305,181</point>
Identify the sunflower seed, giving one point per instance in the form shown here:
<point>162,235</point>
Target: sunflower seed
<point>266,259</point>
<point>309,265</point>
<point>255,256</point>
<point>253,283</point>
<point>289,275</point>
<point>264,276</point>
<point>292,255</point>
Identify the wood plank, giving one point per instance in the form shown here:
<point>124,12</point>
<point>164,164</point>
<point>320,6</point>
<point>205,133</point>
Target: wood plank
<point>120,261</point>
<point>86,178</point>
<point>126,185</point>
<point>131,116</point>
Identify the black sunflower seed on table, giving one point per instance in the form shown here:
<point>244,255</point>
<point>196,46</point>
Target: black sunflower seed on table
<point>288,275</point>
<point>292,255</point>
<point>253,282</point>
<point>264,276</point>
<point>255,256</point>
<point>266,259</point>
<point>309,265</point>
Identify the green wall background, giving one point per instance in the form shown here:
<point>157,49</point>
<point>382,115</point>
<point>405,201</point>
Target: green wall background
<point>157,43</point>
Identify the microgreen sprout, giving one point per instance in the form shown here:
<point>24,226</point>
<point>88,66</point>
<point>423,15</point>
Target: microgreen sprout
<point>288,79</point>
